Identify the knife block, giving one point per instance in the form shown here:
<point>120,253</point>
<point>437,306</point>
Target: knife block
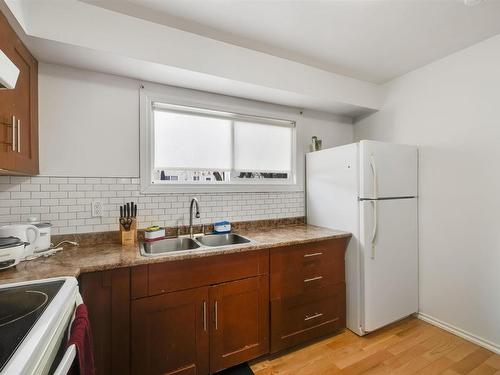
<point>129,237</point>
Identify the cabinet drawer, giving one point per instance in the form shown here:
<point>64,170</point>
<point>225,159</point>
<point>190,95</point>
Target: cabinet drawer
<point>298,269</point>
<point>303,255</point>
<point>159,278</point>
<point>307,316</point>
<point>301,280</point>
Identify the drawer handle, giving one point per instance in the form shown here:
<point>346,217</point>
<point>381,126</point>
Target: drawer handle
<point>312,255</point>
<point>317,315</point>
<point>313,279</point>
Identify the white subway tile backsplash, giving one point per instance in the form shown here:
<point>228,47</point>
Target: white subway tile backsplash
<point>19,180</point>
<point>49,187</point>
<point>40,180</point>
<point>30,187</point>
<point>15,195</point>
<point>58,180</point>
<point>66,203</point>
<point>67,187</point>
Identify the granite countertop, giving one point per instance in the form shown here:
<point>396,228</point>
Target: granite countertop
<point>72,261</point>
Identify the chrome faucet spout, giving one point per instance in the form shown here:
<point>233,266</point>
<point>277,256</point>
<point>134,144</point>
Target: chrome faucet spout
<point>194,202</point>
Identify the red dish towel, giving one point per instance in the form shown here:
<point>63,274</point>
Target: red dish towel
<point>81,337</point>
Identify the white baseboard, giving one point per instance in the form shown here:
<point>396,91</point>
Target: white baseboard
<point>460,332</point>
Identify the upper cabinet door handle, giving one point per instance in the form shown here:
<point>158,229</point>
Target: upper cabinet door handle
<point>19,136</point>
<point>14,124</point>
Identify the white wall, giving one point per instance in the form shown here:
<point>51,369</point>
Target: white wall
<point>450,109</point>
<point>89,122</point>
<point>89,128</point>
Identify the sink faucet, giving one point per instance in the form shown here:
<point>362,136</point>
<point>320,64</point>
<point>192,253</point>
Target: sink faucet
<point>194,201</point>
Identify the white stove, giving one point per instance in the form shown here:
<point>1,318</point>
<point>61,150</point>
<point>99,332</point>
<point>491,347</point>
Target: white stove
<point>34,321</point>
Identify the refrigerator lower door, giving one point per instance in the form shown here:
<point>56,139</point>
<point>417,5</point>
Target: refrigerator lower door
<point>389,261</point>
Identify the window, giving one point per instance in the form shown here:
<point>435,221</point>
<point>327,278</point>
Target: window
<point>195,147</point>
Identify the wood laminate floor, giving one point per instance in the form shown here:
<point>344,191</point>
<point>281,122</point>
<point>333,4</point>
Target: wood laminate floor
<point>407,347</point>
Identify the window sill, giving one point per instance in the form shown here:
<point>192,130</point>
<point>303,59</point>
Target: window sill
<point>188,188</point>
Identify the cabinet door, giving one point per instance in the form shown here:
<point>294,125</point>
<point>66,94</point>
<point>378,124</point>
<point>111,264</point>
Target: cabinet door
<point>170,333</point>
<point>107,296</point>
<point>19,140</point>
<point>239,321</point>
<point>26,155</point>
<point>7,100</point>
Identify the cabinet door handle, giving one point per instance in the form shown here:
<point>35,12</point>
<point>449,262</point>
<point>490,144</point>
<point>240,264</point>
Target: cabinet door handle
<point>205,316</point>
<point>313,279</point>
<point>14,124</point>
<point>216,318</point>
<point>18,135</point>
<point>317,315</point>
<point>312,255</point>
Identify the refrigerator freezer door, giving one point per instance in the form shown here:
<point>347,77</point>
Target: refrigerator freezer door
<point>389,259</point>
<point>332,187</point>
<point>387,170</point>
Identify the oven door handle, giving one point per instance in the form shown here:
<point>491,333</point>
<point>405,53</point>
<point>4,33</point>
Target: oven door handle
<point>66,361</point>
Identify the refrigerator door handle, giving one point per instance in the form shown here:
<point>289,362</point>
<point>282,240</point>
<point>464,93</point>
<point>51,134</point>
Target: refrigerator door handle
<point>373,167</point>
<point>375,227</point>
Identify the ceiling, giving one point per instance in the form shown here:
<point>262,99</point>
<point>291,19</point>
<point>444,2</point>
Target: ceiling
<point>374,40</point>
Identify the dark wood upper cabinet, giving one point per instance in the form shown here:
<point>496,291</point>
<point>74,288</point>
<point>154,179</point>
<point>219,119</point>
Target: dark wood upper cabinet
<point>170,333</point>
<point>240,322</point>
<point>19,108</point>
<point>107,296</point>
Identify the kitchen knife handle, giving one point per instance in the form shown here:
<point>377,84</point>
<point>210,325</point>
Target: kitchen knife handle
<point>121,211</point>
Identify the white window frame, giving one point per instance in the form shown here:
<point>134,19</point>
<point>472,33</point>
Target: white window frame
<point>148,97</point>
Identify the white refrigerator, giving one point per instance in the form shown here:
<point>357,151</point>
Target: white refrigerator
<point>370,189</point>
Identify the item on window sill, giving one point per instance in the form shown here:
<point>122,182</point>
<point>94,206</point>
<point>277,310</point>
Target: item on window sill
<point>154,233</point>
<point>316,143</point>
<point>128,223</point>
<point>222,227</point>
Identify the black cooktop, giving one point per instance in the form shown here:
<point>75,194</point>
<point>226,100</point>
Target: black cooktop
<point>20,308</point>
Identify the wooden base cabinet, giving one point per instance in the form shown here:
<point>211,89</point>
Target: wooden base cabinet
<point>307,292</point>
<point>240,322</point>
<point>201,330</point>
<point>170,333</point>
<point>107,296</point>
<point>203,315</point>
<point>199,316</point>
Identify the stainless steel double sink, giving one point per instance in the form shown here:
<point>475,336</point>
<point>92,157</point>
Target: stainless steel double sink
<point>168,245</point>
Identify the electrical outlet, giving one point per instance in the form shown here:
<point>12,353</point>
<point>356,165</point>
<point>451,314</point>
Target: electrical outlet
<point>96,208</point>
